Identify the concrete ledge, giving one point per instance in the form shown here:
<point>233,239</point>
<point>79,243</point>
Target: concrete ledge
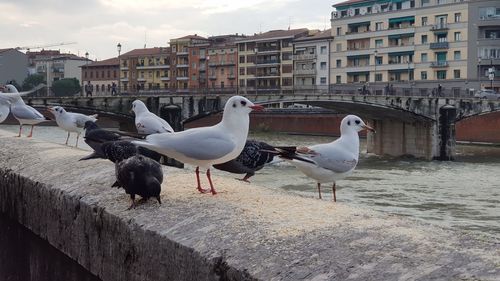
<point>244,233</point>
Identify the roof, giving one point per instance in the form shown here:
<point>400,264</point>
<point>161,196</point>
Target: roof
<point>4,50</point>
<point>195,36</point>
<point>349,2</point>
<point>275,34</point>
<point>107,62</point>
<point>326,34</point>
<point>147,51</point>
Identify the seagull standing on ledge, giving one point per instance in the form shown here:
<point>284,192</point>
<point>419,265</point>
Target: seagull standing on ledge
<point>70,121</point>
<point>329,162</point>
<point>24,113</point>
<point>148,123</point>
<point>206,146</point>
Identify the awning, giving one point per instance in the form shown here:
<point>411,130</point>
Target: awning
<point>402,19</point>
<point>397,36</point>
<point>358,56</point>
<point>441,32</point>
<point>402,53</point>
<point>358,73</point>
<point>356,24</point>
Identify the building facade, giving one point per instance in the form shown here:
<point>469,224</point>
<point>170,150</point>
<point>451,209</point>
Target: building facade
<point>411,43</point>
<point>102,75</point>
<point>265,61</point>
<point>311,60</point>
<point>13,66</point>
<point>145,70</point>
<point>56,67</point>
<point>223,62</point>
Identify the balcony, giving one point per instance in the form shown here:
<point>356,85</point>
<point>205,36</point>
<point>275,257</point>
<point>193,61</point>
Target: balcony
<point>305,57</point>
<point>212,77</point>
<point>436,64</point>
<point>182,65</point>
<point>182,78</point>
<point>305,72</point>
<point>165,78</point>
<point>440,27</point>
<point>440,45</point>
<point>268,75</point>
<point>183,53</point>
<point>231,76</point>
<point>268,62</point>
<point>268,49</point>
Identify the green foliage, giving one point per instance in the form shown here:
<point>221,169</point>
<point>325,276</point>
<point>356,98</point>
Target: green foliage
<point>66,87</point>
<point>32,81</point>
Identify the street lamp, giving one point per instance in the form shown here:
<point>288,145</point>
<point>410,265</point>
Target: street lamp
<point>375,75</point>
<point>491,74</point>
<point>86,71</point>
<point>119,49</point>
<point>479,72</point>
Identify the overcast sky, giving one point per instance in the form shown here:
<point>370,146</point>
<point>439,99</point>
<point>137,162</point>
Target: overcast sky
<point>98,25</point>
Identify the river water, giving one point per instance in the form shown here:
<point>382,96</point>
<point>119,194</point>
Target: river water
<point>463,194</point>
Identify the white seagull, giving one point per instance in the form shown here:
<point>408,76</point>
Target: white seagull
<point>6,98</point>
<point>4,107</point>
<point>206,146</point>
<point>70,121</point>
<point>147,122</point>
<point>24,113</point>
<point>332,161</point>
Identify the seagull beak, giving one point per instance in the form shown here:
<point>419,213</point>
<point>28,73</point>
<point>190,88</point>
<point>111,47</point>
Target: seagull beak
<point>366,127</point>
<point>257,107</point>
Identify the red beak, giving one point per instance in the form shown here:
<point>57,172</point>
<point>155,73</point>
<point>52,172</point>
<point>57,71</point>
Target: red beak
<point>257,107</point>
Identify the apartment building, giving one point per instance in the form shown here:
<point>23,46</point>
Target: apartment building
<point>102,75</point>
<point>189,62</point>
<point>415,43</point>
<point>311,58</point>
<point>147,69</point>
<point>265,61</point>
<point>222,61</point>
<point>13,66</point>
<point>58,66</point>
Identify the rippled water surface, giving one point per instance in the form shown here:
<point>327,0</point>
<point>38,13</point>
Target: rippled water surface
<point>463,194</point>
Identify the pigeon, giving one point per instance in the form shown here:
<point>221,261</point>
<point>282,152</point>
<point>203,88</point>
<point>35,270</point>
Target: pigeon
<point>70,121</point>
<point>332,161</point>
<point>206,146</point>
<point>24,114</point>
<point>147,122</point>
<point>254,156</point>
<point>139,175</point>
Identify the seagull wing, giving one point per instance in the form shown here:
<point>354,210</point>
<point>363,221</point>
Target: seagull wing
<point>332,157</point>
<point>80,119</point>
<point>26,112</point>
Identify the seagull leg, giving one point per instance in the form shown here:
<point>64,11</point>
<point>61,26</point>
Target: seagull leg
<point>67,138</point>
<point>212,189</point>
<point>31,132</point>
<point>319,190</point>
<point>198,181</point>
<point>77,137</point>
<point>20,130</point>
<point>334,192</point>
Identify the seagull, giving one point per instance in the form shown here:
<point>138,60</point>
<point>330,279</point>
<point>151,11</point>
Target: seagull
<point>70,121</point>
<point>254,156</point>
<point>139,175</point>
<point>4,107</point>
<point>206,146</point>
<point>24,113</point>
<point>332,161</point>
<point>98,139</point>
<point>147,122</point>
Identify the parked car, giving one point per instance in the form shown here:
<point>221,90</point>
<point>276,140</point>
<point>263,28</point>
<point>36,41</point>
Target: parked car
<point>487,94</point>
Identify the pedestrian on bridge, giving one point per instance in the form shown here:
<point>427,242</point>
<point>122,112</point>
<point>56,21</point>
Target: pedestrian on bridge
<point>88,89</point>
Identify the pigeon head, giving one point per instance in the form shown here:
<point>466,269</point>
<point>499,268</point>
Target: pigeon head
<point>57,110</point>
<point>138,107</point>
<point>240,105</point>
<point>353,123</point>
<point>153,188</point>
<point>89,125</point>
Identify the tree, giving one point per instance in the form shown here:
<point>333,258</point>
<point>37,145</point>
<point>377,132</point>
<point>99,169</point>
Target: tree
<point>66,87</point>
<point>32,81</point>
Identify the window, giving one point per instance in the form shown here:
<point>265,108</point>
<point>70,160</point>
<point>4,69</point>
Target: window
<point>379,43</point>
<point>338,79</point>
<point>378,26</point>
<point>241,47</point>
<point>378,77</point>
<point>424,39</point>
<point>441,74</point>
<point>322,50</point>
<point>456,73</point>
<point>323,65</point>
<point>458,36</point>
<point>423,75</point>
<point>378,60</point>
<point>458,17</point>
<point>441,2</point>
<point>339,47</point>
<point>339,63</point>
<point>242,59</point>
<point>457,55</point>
<point>194,65</point>
<point>339,31</point>
<point>424,21</point>
<point>322,80</point>
<point>423,57</point>
<point>425,2</point>
<point>222,71</point>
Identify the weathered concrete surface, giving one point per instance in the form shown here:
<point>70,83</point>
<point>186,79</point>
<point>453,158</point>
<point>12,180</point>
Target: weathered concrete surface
<point>244,233</point>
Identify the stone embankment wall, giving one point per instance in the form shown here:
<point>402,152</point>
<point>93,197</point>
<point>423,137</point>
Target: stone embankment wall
<point>245,232</point>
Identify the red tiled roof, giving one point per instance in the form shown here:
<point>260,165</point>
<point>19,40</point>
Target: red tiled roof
<point>107,62</point>
<point>147,51</point>
<point>195,36</point>
<point>317,36</point>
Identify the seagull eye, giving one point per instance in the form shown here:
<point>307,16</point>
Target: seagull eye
<point>357,122</point>
<point>243,103</point>
<point>349,123</point>
<point>234,105</point>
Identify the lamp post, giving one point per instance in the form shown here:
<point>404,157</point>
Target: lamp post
<point>119,49</point>
<point>479,72</point>
<point>491,74</point>
<point>86,71</point>
<point>375,71</point>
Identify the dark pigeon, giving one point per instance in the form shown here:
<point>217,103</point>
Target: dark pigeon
<point>139,175</point>
<point>254,156</point>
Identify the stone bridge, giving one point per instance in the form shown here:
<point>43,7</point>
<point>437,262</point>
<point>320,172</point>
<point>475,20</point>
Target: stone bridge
<point>417,125</point>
